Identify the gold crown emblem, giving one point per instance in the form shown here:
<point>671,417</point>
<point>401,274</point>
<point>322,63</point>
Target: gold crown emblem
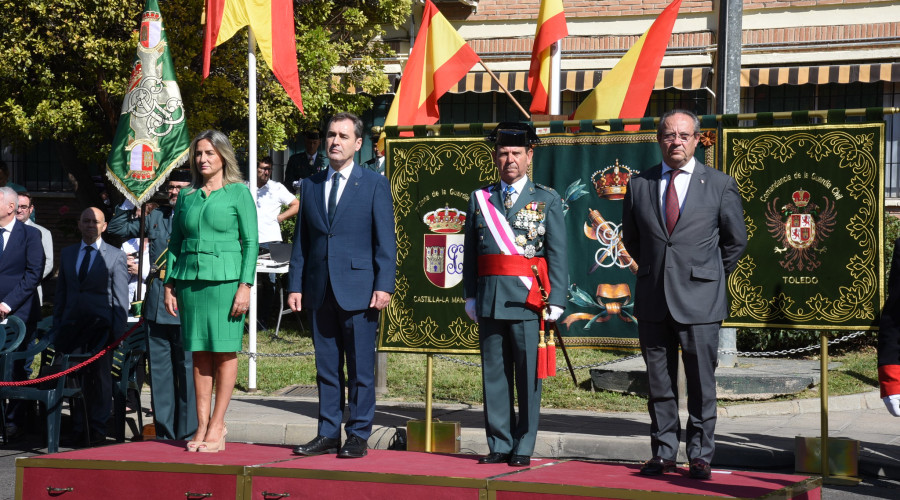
<point>611,182</point>
<point>800,197</point>
<point>445,220</point>
<point>151,16</point>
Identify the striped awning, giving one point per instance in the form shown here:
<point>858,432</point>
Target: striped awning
<point>581,80</point>
<point>820,75</point>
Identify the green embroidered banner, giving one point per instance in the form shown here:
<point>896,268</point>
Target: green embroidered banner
<point>431,179</point>
<point>813,199</point>
<point>589,171</point>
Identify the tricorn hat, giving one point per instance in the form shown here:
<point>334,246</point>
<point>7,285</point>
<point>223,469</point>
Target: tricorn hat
<point>180,175</point>
<point>513,134</point>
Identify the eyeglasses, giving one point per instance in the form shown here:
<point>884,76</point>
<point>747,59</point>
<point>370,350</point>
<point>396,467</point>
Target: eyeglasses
<point>671,136</point>
<point>24,207</point>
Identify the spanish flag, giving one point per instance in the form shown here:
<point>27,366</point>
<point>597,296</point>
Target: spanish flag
<point>551,28</point>
<point>438,60</point>
<point>625,89</point>
<point>272,22</point>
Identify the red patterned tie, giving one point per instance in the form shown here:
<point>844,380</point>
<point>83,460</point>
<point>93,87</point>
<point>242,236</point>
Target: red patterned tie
<point>672,207</point>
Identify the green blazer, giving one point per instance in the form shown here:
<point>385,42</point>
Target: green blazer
<point>214,238</point>
<point>503,297</point>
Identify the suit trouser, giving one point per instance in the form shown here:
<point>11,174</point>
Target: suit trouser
<point>96,385</point>
<point>340,335</point>
<point>509,361</point>
<point>699,345</point>
<point>171,382</point>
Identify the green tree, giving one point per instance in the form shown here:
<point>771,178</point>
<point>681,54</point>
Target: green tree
<point>64,65</point>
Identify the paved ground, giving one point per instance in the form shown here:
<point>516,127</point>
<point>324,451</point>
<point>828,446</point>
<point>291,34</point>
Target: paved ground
<point>750,436</point>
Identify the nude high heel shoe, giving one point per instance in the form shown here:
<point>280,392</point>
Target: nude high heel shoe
<point>206,447</point>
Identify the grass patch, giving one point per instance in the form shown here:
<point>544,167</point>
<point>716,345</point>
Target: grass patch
<point>455,382</point>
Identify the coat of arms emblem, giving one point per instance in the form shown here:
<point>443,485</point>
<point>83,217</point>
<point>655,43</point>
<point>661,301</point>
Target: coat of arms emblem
<point>800,227</point>
<point>443,253</point>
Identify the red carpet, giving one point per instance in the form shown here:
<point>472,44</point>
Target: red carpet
<point>162,469</point>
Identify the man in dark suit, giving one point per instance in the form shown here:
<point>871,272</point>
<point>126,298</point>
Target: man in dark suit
<point>171,368</point>
<point>686,237</point>
<point>21,264</point>
<point>343,269</point>
<point>91,288</point>
<point>513,226</point>
<point>305,164</point>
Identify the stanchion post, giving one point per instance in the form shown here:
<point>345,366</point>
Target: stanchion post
<point>823,396</point>
<point>429,374</point>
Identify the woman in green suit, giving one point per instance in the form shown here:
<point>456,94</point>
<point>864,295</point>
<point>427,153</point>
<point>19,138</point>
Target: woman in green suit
<point>212,261</point>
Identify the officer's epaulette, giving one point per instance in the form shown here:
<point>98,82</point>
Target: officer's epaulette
<point>495,186</point>
<point>545,188</point>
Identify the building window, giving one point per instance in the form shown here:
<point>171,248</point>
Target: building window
<point>37,169</point>
<point>836,96</point>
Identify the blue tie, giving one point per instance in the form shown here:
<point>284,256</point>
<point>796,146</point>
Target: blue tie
<point>2,230</point>
<point>85,263</point>
<point>332,197</point>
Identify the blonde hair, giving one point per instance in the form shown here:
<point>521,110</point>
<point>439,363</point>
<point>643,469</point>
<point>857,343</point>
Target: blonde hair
<point>231,172</point>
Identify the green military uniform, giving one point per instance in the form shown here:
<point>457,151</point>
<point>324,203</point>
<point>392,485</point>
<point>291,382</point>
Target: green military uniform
<point>508,330</point>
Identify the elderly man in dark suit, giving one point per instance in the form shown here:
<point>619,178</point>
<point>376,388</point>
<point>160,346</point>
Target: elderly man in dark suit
<point>683,224</point>
<point>92,288</point>
<point>21,263</point>
<point>512,227</point>
<point>171,367</point>
<point>342,269</point>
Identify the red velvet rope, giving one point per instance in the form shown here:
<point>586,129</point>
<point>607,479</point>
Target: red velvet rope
<point>79,366</point>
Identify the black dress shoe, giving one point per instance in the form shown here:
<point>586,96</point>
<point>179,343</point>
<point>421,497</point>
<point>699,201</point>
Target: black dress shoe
<point>519,461</point>
<point>656,466</point>
<point>318,446</point>
<point>354,447</point>
<point>494,458</point>
<point>700,469</point>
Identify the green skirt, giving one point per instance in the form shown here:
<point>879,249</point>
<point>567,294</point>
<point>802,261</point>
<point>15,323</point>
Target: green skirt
<point>205,322</point>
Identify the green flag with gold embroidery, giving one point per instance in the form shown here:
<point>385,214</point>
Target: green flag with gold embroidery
<point>152,136</point>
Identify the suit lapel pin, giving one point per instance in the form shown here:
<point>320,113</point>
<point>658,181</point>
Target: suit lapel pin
<point>702,181</point>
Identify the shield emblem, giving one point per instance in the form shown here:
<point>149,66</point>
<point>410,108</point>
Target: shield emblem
<point>800,230</point>
<point>443,259</point>
<point>150,33</point>
<point>141,161</point>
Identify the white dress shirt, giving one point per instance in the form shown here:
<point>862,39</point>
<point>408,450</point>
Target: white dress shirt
<point>345,176</point>
<point>682,181</point>
<point>269,200</point>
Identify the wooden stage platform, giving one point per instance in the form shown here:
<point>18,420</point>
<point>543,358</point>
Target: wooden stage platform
<point>155,470</point>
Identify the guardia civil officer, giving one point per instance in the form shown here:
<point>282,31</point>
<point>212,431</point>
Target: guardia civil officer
<point>513,225</point>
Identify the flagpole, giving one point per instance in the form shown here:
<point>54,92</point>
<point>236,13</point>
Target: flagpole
<point>554,90</point>
<point>503,88</point>
<point>251,175</point>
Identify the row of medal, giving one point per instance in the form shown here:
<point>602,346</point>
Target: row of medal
<point>531,219</point>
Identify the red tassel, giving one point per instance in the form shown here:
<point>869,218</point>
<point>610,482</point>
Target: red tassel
<point>542,354</point>
<point>551,355</point>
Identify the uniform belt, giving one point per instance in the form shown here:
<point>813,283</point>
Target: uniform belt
<point>517,265</point>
